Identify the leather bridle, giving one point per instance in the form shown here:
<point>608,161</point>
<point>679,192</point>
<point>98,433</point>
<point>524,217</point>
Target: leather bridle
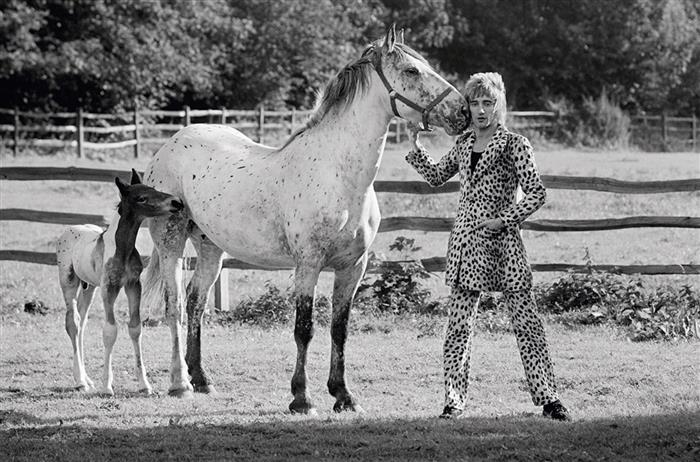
<point>394,95</point>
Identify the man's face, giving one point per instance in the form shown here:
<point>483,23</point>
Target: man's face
<point>483,111</point>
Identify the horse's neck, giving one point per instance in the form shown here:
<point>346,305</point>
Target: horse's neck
<point>125,228</point>
<point>355,137</point>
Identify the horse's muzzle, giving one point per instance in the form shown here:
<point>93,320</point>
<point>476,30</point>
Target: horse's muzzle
<point>176,205</point>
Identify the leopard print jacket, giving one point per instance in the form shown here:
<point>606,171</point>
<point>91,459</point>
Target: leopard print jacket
<point>481,259</point>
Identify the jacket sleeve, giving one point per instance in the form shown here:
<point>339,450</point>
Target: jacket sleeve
<point>534,193</point>
<point>435,173</point>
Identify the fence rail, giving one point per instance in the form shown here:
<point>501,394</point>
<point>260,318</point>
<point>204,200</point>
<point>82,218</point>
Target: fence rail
<point>600,184</point>
<point>434,264</point>
<point>390,224</point>
<point>138,123</point>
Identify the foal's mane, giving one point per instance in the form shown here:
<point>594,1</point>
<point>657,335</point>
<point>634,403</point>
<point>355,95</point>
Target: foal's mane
<point>342,89</point>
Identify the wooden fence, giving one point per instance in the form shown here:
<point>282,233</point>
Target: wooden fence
<point>666,133</point>
<point>390,224</point>
<point>83,130</point>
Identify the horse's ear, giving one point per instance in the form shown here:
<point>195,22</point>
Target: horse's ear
<point>121,185</point>
<point>401,36</point>
<point>135,177</point>
<point>389,40</point>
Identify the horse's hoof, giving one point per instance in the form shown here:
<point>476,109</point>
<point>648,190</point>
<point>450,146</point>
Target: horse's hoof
<point>82,388</point>
<point>300,406</point>
<point>106,391</point>
<point>206,389</point>
<point>347,406</point>
<point>183,393</point>
<point>148,391</point>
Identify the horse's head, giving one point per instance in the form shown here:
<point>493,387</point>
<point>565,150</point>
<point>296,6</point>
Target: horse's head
<point>143,201</point>
<point>414,90</point>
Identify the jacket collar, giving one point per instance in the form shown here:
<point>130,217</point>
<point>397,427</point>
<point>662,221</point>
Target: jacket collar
<point>494,148</point>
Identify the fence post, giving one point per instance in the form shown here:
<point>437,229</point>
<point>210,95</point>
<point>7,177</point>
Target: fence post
<point>291,125</point>
<point>261,124</point>
<point>15,148</point>
<point>137,135</point>
<point>664,129</point>
<point>223,115</point>
<point>695,135</point>
<point>187,115</point>
<point>79,133</point>
<point>221,300</point>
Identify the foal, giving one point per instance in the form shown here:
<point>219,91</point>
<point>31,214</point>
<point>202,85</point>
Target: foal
<point>89,257</point>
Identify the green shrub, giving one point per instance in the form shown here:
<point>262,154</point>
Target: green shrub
<point>398,287</point>
<point>663,313</point>
<point>272,308</point>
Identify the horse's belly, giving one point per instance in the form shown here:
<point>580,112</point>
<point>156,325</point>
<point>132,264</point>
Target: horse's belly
<point>245,234</point>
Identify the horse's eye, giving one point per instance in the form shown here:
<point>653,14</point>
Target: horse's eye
<point>412,71</point>
<point>140,200</point>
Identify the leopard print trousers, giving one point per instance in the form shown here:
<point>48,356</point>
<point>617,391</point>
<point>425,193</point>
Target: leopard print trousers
<point>529,332</point>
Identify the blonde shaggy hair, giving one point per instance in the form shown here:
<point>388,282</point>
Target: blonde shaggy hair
<point>488,84</point>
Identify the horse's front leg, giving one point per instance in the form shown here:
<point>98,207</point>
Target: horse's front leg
<point>209,258</point>
<point>133,294</point>
<point>110,290</point>
<point>305,279</point>
<point>344,288</point>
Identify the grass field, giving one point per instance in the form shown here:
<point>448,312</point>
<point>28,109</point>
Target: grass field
<point>631,401</point>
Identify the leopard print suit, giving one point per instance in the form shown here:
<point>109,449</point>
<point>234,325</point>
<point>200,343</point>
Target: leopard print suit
<point>483,260</point>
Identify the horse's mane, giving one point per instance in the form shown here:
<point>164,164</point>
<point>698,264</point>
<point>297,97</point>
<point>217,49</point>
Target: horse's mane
<point>345,85</point>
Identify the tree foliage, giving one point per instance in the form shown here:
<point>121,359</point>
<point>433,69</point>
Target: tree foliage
<point>104,55</point>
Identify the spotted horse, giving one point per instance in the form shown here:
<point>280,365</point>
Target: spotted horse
<point>309,204</point>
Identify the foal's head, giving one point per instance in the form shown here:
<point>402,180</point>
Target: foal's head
<point>141,201</point>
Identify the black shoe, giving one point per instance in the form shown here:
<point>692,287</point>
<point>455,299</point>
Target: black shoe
<point>450,413</point>
<point>556,411</point>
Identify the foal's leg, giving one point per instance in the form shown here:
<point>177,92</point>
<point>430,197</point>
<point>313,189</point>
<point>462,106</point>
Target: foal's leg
<point>84,302</point>
<point>109,332</point>
<point>169,237</point>
<point>344,288</point>
<point>305,279</point>
<point>209,258</point>
<point>133,294</point>
<point>70,285</point>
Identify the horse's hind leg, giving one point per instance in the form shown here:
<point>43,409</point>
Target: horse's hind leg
<point>209,258</point>
<point>169,237</point>
<point>133,294</point>
<point>85,296</point>
<point>305,279</point>
<point>344,288</point>
<point>70,285</point>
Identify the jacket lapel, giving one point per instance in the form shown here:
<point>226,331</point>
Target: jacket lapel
<point>495,147</point>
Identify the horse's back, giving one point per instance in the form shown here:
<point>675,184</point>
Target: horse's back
<point>202,146</point>
<point>75,248</point>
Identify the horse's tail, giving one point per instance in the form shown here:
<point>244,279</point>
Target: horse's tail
<point>153,289</point>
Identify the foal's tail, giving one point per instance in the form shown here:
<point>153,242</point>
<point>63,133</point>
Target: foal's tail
<point>153,289</point>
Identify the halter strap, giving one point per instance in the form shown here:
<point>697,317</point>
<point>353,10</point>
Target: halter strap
<point>394,95</point>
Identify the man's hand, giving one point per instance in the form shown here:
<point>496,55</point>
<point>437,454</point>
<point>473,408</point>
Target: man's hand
<point>413,132</point>
<point>495,224</point>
